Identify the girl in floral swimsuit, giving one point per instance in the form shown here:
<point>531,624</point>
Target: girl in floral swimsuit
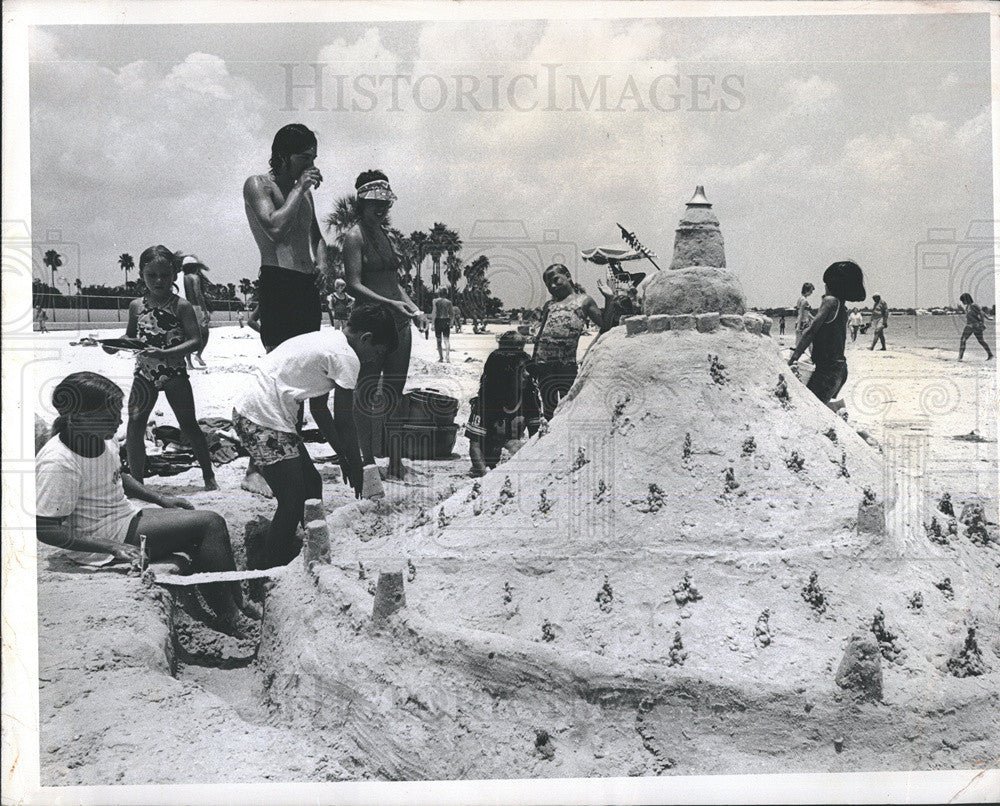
<point>564,318</point>
<point>167,325</point>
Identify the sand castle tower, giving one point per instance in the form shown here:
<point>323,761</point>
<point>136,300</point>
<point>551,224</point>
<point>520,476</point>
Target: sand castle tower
<point>698,241</point>
<point>697,281</point>
<point>694,540</point>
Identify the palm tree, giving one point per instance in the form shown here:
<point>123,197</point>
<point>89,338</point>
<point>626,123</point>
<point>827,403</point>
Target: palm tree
<point>53,260</point>
<point>452,243</point>
<point>343,216</point>
<point>246,288</point>
<point>79,285</point>
<point>127,264</point>
<point>453,272</point>
<point>437,241</point>
<point>418,242</point>
<point>477,289</point>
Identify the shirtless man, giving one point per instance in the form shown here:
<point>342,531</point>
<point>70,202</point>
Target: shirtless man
<point>279,207</point>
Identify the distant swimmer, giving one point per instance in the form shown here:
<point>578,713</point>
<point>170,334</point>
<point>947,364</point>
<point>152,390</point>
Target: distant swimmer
<point>975,323</point>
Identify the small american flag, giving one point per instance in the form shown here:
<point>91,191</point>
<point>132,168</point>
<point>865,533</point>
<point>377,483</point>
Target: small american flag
<point>634,242</point>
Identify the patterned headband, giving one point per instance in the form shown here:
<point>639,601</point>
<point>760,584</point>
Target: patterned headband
<point>377,190</point>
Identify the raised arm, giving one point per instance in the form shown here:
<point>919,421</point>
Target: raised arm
<point>275,221</point>
<point>595,314</point>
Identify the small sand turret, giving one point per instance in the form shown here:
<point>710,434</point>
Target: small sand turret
<point>697,281</point>
<point>698,241</point>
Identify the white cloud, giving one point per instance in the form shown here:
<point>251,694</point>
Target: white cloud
<point>806,97</point>
<point>143,128</point>
<point>924,140</point>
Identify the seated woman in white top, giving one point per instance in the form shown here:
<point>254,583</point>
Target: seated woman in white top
<point>82,506</point>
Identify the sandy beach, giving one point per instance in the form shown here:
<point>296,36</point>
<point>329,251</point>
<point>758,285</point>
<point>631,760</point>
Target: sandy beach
<point>123,667</point>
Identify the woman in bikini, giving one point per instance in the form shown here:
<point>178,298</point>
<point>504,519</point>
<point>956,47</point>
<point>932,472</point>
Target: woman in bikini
<point>372,262</point>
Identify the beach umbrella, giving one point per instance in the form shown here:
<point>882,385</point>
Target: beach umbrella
<point>606,254</point>
<point>614,256</point>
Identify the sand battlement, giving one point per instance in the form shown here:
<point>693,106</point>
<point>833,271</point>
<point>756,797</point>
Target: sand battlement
<point>701,322</point>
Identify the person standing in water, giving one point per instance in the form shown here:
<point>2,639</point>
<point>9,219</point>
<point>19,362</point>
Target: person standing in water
<point>441,312</point>
<point>975,323</point>
<point>880,320</point>
<point>282,217</point>
<point>192,288</point>
<point>564,318</point>
<point>827,333</point>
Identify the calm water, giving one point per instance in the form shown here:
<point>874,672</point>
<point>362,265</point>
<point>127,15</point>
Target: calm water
<point>919,331</point>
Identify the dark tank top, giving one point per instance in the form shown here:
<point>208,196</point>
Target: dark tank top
<point>828,344</point>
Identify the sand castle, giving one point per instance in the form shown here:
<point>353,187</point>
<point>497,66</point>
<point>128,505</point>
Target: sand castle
<point>695,551</point>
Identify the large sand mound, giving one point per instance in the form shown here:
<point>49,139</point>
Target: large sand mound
<point>691,531</point>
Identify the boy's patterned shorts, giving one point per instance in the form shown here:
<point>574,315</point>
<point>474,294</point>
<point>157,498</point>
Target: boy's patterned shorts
<point>266,446</point>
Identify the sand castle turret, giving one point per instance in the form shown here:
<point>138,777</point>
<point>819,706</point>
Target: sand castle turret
<point>697,281</point>
<point>698,241</point>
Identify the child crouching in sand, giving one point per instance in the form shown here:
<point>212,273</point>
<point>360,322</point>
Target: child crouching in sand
<point>827,332</point>
<point>307,367</point>
<point>506,405</point>
<point>82,505</point>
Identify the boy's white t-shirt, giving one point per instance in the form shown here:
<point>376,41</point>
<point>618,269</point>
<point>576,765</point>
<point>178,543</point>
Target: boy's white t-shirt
<point>300,368</point>
<point>86,491</point>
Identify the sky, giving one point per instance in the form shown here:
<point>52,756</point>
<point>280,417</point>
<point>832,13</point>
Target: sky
<point>816,138</point>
